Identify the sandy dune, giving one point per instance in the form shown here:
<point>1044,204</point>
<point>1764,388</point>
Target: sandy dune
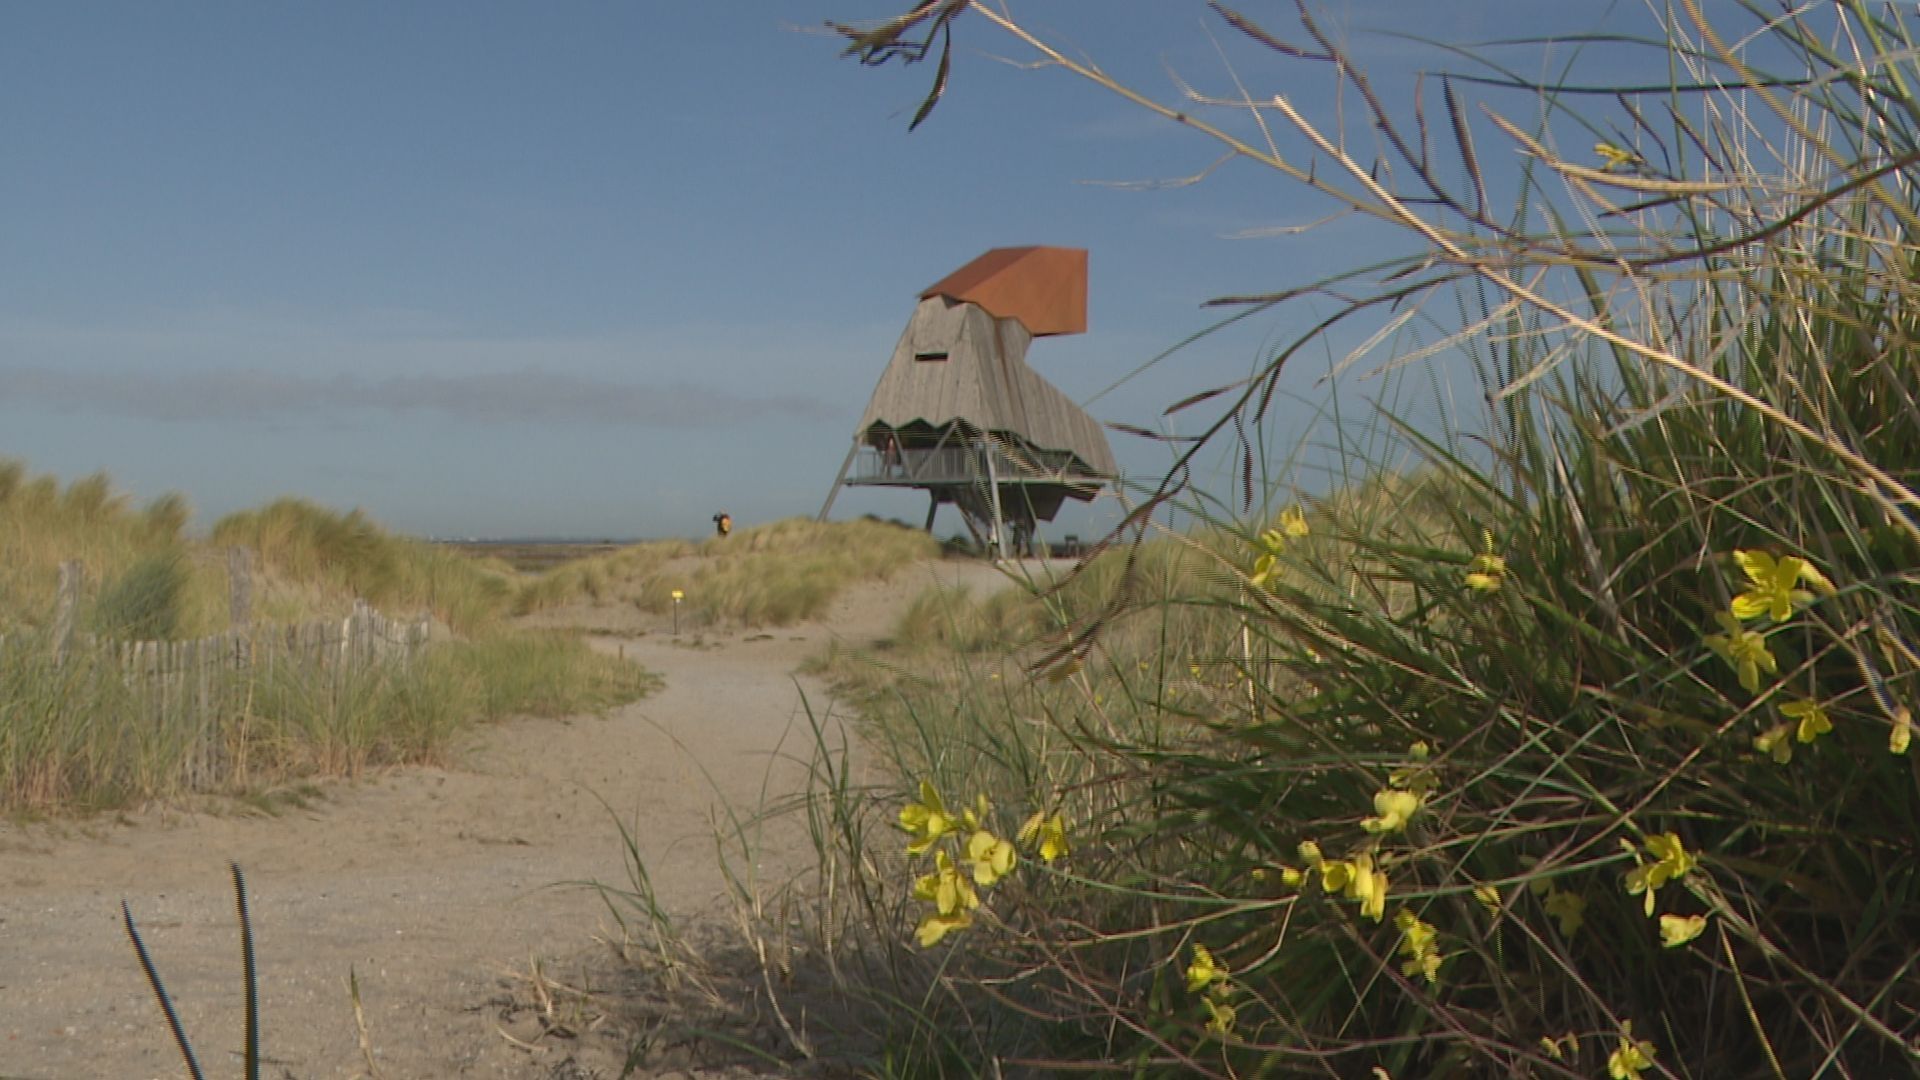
<point>430,883</point>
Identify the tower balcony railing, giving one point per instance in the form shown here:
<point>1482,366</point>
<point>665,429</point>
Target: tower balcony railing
<point>912,467</point>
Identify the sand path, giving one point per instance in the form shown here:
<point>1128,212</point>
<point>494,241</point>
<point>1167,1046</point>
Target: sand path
<point>431,884</point>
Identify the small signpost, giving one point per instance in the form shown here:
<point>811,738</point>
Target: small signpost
<point>677,597</point>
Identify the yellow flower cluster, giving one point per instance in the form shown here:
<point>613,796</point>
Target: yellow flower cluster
<point>1488,570</point>
<point>1047,835</point>
<point>1631,1058</point>
<point>952,897</point>
<point>1568,909</point>
<point>1774,593</point>
<point>1671,862</point>
<point>1208,976</point>
<point>1404,794</point>
<point>1291,526</point>
<point>1418,777</point>
<point>1677,930</point>
<point>1742,648</point>
<point>986,858</point>
<point>1355,879</point>
<point>1419,943</point>
<point>1393,809</point>
<point>926,821</point>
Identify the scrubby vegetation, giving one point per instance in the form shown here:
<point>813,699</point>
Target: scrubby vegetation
<point>1583,750</point>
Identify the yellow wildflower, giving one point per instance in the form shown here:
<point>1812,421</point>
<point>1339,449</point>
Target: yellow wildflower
<point>1677,930</point>
<point>1204,971</point>
<point>1744,649</point>
<point>1777,742</point>
<point>1488,569</point>
<point>1419,943</point>
<point>1293,523</point>
<point>1559,1048</point>
<point>1617,159</point>
<point>1813,718</point>
<point>1334,874</point>
<point>1263,568</point>
<point>1394,808</point>
<point>1569,909</point>
<point>936,926</point>
<point>1775,593</point>
<point>927,820</point>
<point>1369,886</point>
<point>1049,834</point>
<point>992,858</point>
<point>1902,733</point>
<point>1418,777</point>
<point>1267,563</point>
<point>1489,898</point>
<point>1634,1056</point>
<point>1291,526</point>
<point>953,901</point>
<point>1220,1017</point>
<point>975,817</point>
<point>1487,572</point>
<point>945,888</point>
<point>1671,862</point>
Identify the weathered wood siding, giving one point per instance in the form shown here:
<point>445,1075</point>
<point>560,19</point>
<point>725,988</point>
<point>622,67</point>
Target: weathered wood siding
<point>985,381</point>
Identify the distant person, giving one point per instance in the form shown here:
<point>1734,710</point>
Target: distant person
<point>723,523</point>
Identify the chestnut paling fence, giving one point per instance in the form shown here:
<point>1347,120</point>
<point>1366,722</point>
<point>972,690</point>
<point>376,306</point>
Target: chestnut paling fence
<point>195,693</point>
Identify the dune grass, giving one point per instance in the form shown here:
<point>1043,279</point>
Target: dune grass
<point>630,573</point>
<point>43,525</point>
<point>328,555</point>
<point>311,562</point>
<point>77,733</point>
<point>1582,753</point>
<point>770,575</point>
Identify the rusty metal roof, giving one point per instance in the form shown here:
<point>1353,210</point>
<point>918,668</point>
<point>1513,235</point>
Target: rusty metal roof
<point>1045,288</point>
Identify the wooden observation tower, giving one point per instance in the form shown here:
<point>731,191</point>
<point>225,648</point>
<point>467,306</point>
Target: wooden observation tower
<point>959,414</point>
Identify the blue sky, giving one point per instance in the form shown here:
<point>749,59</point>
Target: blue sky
<point>602,269</point>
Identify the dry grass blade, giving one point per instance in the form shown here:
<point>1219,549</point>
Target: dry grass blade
<point>365,1040</point>
<point>160,994</point>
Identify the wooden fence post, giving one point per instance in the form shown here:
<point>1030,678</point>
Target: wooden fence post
<point>239,586</point>
<point>66,607</point>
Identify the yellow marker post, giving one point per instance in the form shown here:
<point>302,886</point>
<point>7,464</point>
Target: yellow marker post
<point>677,597</point>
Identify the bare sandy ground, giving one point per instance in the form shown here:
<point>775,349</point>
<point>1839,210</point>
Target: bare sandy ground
<point>434,885</point>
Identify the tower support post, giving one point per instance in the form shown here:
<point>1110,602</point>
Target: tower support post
<point>834,492</point>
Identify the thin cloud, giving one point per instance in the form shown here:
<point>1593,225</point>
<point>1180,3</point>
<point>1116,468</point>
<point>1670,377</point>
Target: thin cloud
<point>524,395</point>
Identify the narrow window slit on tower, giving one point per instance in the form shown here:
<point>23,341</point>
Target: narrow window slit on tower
<point>930,355</point>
